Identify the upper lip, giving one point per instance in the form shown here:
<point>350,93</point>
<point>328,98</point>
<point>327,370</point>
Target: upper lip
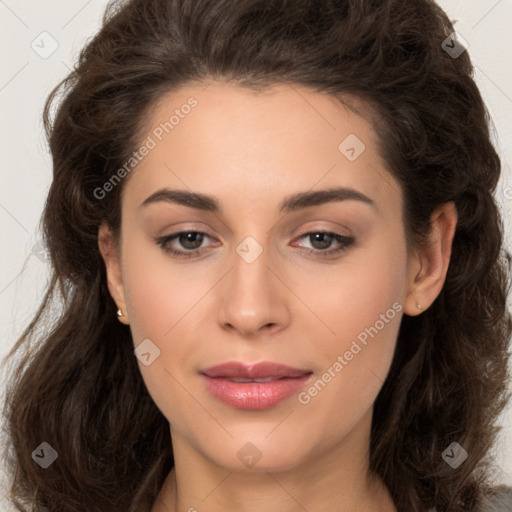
<point>235,369</point>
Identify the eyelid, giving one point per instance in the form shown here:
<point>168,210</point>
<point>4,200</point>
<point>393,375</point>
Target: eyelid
<point>323,226</point>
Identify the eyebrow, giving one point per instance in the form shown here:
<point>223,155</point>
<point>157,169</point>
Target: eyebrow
<point>292,203</point>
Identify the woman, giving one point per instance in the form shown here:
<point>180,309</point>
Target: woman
<point>278,265</point>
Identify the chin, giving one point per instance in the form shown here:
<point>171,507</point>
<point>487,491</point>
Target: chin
<point>255,451</point>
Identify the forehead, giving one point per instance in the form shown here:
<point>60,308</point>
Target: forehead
<point>230,141</point>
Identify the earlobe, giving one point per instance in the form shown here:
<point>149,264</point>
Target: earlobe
<point>431,261</point>
<point>109,253</point>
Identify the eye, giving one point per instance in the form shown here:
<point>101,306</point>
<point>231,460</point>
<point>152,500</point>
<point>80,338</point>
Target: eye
<point>191,241</point>
<point>322,240</point>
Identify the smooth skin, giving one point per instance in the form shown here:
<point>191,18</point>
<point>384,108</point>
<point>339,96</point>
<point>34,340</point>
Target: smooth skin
<point>293,304</point>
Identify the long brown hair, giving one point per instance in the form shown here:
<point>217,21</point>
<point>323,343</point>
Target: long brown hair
<point>75,383</point>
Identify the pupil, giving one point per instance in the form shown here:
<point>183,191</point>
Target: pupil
<point>189,240</point>
<point>324,238</point>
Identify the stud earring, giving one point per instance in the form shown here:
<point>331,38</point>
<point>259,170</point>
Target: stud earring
<point>119,313</point>
<point>419,306</point>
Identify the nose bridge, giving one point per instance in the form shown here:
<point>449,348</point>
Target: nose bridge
<point>250,295</point>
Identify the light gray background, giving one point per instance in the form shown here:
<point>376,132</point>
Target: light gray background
<point>28,73</point>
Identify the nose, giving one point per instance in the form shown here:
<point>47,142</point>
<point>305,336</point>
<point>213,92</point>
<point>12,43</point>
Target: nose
<point>253,299</point>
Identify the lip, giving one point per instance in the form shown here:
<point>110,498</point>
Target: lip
<point>254,395</point>
<point>235,369</point>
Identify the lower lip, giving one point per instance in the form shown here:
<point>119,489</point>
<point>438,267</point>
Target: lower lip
<point>254,395</point>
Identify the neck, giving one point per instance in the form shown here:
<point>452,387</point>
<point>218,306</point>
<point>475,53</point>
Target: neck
<point>337,479</point>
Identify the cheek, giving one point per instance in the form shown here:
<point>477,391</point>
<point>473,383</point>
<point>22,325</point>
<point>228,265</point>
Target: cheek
<point>353,296</point>
<point>361,309</point>
<point>164,300</point>
<point>161,300</point>
<point>158,292</point>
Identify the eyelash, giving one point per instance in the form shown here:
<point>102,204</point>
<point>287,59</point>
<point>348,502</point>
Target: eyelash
<point>345,241</point>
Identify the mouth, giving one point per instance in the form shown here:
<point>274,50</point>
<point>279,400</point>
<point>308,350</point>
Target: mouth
<point>256,386</point>
<point>252,372</point>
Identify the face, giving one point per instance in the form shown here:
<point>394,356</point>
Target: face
<point>269,268</point>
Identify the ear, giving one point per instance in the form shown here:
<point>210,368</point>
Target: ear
<point>110,254</point>
<point>429,266</point>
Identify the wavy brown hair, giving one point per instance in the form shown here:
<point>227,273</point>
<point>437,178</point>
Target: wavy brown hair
<point>75,383</point>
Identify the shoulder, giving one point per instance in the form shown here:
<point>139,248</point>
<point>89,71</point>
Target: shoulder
<point>498,499</point>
